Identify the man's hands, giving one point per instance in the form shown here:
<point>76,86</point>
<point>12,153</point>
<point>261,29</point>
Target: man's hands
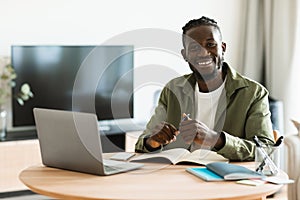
<point>194,131</point>
<point>190,130</point>
<point>164,133</point>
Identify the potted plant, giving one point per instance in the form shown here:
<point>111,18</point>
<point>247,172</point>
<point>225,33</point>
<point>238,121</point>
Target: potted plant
<point>7,77</point>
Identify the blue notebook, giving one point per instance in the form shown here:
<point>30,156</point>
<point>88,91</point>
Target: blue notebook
<point>205,174</point>
<point>217,171</point>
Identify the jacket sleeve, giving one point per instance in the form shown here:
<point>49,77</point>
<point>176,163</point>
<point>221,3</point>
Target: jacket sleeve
<point>258,122</point>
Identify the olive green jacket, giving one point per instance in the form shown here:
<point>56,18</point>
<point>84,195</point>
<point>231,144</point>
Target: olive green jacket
<point>243,111</point>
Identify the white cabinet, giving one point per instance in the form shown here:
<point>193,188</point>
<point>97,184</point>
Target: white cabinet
<point>14,157</point>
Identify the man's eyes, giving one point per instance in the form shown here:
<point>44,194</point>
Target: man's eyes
<point>194,47</point>
<point>197,46</point>
<point>211,44</point>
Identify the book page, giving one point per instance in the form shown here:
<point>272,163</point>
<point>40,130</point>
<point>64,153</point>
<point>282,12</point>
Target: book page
<point>203,157</point>
<point>172,155</point>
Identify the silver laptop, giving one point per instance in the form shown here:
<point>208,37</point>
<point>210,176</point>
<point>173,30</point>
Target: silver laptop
<point>70,140</point>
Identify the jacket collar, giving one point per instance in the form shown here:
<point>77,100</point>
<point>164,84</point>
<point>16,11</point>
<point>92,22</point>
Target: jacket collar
<point>234,82</point>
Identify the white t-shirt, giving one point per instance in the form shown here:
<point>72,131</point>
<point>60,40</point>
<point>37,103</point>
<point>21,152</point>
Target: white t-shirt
<point>207,104</point>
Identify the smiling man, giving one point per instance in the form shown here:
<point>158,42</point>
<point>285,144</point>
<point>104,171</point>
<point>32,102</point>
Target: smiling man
<point>225,108</point>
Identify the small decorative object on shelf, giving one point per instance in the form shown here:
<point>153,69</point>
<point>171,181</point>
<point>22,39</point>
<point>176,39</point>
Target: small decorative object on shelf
<point>3,115</point>
<point>7,77</point>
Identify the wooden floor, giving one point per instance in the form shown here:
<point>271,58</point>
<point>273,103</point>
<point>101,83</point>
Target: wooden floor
<point>280,195</point>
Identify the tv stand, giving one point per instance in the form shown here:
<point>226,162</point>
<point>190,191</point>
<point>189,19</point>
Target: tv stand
<point>20,135</point>
<point>112,139</point>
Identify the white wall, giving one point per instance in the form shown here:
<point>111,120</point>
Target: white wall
<point>70,22</point>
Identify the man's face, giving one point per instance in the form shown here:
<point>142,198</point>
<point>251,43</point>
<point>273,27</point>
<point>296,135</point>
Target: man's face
<point>204,51</point>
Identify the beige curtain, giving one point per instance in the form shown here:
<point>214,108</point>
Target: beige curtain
<point>252,59</point>
<point>270,54</point>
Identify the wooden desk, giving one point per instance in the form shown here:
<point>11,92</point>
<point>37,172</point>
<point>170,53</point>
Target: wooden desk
<point>154,181</point>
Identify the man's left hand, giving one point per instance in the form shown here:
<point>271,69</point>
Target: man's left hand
<point>194,131</point>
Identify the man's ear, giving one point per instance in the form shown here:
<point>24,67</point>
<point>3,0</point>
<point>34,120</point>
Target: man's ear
<point>223,47</point>
<point>183,54</point>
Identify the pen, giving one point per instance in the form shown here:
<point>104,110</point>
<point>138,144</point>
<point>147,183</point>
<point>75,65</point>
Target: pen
<point>257,141</point>
<point>279,141</point>
<point>186,117</point>
<point>266,157</point>
<point>277,144</point>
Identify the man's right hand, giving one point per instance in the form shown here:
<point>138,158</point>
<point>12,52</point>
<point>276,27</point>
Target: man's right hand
<point>163,133</point>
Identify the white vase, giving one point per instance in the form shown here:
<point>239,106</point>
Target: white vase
<point>3,117</point>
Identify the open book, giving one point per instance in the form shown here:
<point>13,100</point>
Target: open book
<point>219,171</point>
<point>181,155</point>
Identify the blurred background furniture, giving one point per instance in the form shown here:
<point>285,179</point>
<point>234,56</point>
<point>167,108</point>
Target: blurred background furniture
<point>292,143</point>
<point>276,109</point>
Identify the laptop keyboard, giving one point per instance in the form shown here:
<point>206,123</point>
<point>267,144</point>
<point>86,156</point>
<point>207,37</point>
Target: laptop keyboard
<point>112,168</point>
<point>111,165</point>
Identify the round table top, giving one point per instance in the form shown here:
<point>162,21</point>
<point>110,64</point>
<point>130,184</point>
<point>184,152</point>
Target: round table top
<point>153,181</point>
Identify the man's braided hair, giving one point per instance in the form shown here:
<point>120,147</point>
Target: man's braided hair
<point>203,21</point>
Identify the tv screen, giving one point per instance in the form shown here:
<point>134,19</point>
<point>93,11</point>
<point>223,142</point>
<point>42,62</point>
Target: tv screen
<point>96,79</point>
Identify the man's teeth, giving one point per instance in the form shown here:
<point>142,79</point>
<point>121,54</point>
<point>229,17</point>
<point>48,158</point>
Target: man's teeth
<point>205,63</point>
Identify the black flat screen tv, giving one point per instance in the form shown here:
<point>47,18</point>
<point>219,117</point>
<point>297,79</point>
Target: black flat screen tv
<point>96,79</point>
